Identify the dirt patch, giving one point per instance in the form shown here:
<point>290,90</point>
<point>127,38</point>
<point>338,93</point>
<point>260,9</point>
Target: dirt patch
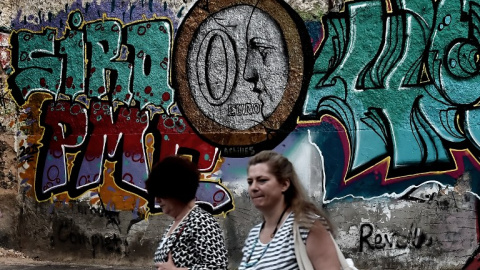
<point>10,256</point>
<point>8,217</point>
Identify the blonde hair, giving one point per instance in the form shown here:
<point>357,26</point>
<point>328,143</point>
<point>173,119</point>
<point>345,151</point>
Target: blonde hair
<point>295,196</point>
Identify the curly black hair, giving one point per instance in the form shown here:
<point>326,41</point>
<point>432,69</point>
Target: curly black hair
<point>174,177</point>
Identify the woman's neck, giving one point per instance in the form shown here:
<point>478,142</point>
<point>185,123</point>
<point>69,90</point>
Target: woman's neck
<point>184,211</point>
<point>272,217</point>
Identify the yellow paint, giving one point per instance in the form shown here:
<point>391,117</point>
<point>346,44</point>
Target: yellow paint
<point>425,78</point>
<point>119,198</point>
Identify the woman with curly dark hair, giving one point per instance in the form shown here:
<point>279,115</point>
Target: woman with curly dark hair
<point>194,239</point>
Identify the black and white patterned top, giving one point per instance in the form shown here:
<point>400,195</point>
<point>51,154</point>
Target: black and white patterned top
<point>279,253</point>
<point>200,243</point>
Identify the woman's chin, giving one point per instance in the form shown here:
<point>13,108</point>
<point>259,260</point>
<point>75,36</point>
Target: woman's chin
<point>259,205</point>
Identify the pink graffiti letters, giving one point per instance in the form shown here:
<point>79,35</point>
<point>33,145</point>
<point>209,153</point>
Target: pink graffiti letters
<point>77,141</point>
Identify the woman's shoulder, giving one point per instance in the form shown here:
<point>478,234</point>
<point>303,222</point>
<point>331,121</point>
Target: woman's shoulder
<point>200,215</point>
<point>200,211</point>
<point>321,221</point>
<point>312,220</point>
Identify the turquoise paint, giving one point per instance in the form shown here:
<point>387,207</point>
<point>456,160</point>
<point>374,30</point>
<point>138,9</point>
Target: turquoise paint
<point>398,80</point>
<point>99,61</point>
<point>151,73</point>
<point>105,37</point>
<point>36,67</point>
<point>73,49</point>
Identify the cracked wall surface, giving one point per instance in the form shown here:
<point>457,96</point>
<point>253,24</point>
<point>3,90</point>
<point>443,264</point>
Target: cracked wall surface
<point>374,103</point>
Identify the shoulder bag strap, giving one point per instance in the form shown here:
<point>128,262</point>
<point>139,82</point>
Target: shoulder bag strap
<point>303,261</point>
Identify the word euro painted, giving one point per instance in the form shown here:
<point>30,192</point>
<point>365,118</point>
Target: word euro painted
<point>244,109</point>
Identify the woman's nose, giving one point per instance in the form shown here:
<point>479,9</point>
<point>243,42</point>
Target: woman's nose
<point>250,73</point>
<point>253,186</point>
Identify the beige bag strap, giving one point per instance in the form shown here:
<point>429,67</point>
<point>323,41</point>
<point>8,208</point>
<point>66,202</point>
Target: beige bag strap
<point>303,261</point>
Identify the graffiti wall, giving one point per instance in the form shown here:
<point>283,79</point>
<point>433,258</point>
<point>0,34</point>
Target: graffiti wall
<point>374,102</point>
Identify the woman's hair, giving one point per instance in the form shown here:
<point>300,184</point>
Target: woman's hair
<point>295,196</point>
<point>174,177</point>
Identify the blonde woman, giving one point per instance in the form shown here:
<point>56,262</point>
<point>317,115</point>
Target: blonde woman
<point>276,192</point>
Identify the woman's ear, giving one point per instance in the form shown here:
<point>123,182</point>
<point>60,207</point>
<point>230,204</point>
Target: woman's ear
<point>286,185</point>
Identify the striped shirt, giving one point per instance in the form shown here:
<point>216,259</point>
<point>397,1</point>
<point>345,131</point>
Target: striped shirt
<point>279,253</point>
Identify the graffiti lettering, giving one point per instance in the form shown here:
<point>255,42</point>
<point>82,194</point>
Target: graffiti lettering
<point>398,89</point>
<point>244,109</point>
<point>26,153</point>
<point>99,59</point>
<point>108,113</point>
<point>109,81</point>
<point>69,232</point>
<point>415,238</point>
<point>239,151</point>
<point>87,138</point>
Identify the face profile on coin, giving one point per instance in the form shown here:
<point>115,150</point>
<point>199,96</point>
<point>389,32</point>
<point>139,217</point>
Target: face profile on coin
<point>266,65</point>
<point>237,69</point>
<point>237,66</point>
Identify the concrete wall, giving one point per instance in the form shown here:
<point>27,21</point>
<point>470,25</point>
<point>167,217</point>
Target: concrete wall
<point>375,102</point>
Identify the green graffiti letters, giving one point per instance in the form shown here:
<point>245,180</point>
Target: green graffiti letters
<point>101,59</point>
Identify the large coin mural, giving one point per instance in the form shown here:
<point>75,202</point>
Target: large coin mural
<point>240,71</point>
